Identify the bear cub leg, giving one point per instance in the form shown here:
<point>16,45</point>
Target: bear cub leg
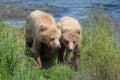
<point>76,58</point>
<point>61,55</point>
<point>36,49</point>
<point>67,57</point>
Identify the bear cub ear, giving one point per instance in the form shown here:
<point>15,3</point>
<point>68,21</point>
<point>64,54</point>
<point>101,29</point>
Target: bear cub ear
<point>43,27</point>
<point>58,25</point>
<point>78,31</point>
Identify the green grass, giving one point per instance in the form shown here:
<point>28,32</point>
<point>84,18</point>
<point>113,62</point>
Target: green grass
<point>15,65</point>
<point>100,56</point>
<point>100,51</point>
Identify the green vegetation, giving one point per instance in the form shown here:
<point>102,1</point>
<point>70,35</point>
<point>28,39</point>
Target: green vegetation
<point>100,51</point>
<point>100,56</point>
<point>15,65</point>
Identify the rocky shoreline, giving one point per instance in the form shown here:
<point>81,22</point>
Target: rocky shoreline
<point>16,11</point>
<point>19,13</point>
<point>13,13</point>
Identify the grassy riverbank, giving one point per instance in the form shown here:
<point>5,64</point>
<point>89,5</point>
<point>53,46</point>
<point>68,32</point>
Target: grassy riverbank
<point>100,56</point>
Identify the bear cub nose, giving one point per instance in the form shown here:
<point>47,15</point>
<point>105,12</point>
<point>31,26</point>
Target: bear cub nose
<point>70,49</point>
<point>58,46</point>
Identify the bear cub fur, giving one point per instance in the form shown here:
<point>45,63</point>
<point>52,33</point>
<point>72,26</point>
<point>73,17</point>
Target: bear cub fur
<point>70,39</point>
<point>42,35</point>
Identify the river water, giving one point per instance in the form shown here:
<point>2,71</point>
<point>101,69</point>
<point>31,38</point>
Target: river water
<point>80,9</point>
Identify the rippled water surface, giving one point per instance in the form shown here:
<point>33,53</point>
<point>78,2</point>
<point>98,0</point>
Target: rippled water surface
<point>79,9</point>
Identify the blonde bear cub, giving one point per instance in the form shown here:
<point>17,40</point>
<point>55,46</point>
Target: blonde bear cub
<point>70,39</point>
<point>42,35</point>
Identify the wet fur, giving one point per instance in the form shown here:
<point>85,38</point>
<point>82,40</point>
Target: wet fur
<point>45,53</point>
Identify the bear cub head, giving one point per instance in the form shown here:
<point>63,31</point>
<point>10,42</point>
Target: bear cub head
<point>70,38</point>
<point>71,32</point>
<point>50,35</point>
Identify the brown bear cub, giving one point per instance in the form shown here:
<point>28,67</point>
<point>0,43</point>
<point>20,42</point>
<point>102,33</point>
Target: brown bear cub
<point>70,39</point>
<point>42,35</point>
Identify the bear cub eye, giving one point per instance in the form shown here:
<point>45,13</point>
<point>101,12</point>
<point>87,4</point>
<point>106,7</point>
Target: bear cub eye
<point>74,42</point>
<point>66,41</point>
<point>51,39</point>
